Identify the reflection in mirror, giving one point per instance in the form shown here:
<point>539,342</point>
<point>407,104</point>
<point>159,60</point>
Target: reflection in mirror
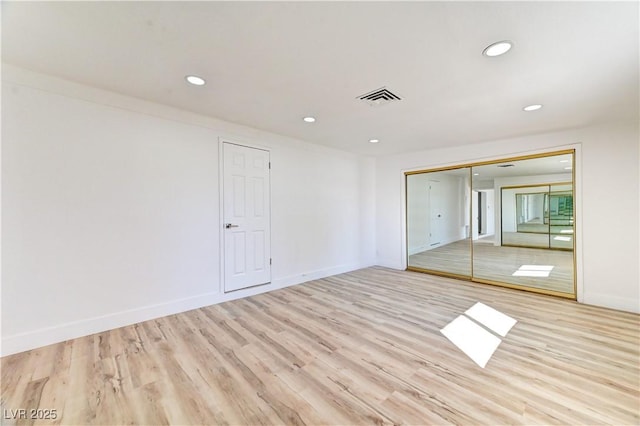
<point>525,216</point>
<point>532,212</point>
<point>534,219</point>
<point>561,216</point>
<point>438,222</point>
<point>541,219</point>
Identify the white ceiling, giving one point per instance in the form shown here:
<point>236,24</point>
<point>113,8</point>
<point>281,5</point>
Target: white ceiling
<point>268,64</point>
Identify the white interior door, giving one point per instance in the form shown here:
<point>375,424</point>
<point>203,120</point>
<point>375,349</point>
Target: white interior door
<point>435,212</point>
<point>246,225</point>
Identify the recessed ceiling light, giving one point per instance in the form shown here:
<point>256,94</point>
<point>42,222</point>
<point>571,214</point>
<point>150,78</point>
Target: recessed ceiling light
<point>533,107</point>
<point>564,161</point>
<point>309,119</point>
<point>568,168</point>
<point>195,80</point>
<point>374,140</point>
<point>497,48</point>
<point>476,174</point>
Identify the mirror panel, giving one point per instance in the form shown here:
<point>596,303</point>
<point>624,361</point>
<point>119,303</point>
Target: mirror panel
<point>438,222</point>
<point>533,245</point>
<point>508,223</point>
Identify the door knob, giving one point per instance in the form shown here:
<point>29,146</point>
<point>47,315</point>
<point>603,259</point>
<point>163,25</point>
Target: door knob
<point>230,225</point>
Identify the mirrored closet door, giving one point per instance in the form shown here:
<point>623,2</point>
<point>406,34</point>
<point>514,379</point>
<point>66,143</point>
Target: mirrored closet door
<point>439,221</point>
<point>508,222</point>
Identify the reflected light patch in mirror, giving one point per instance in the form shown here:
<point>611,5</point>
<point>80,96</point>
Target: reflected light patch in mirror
<point>558,238</point>
<point>539,274</point>
<point>540,271</point>
<point>476,342</point>
<point>494,320</point>
<point>537,267</point>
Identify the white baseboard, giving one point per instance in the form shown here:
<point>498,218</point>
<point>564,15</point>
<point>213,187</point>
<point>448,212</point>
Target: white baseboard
<point>391,263</point>
<point>318,274</point>
<point>419,249</point>
<point>58,333</point>
<point>613,302</point>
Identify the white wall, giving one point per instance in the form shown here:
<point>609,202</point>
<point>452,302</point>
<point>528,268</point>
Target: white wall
<point>489,212</point>
<point>419,215</point>
<point>455,208</point>
<point>111,210</point>
<point>607,163</point>
<point>453,203</point>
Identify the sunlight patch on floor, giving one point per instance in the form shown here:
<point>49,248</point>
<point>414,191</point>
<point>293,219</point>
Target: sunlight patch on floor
<point>494,320</point>
<point>469,335</point>
<point>472,339</point>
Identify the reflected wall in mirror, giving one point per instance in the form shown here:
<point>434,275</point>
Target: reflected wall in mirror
<point>525,216</point>
<point>438,221</point>
<point>532,211</point>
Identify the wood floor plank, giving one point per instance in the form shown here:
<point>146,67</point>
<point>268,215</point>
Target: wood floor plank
<point>363,347</point>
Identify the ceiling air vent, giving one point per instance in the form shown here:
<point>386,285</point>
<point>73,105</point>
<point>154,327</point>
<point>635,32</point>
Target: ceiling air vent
<point>506,165</point>
<point>378,97</point>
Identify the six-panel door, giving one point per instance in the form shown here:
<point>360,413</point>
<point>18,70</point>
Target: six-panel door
<point>246,225</point>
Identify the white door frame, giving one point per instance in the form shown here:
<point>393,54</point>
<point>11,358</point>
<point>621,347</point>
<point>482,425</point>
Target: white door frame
<point>221,223</point>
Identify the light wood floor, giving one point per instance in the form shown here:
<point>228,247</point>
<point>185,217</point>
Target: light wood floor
<point>498,263</point>
<point>357,348</point>
<point>454,258</point>
<point>525,239</point>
